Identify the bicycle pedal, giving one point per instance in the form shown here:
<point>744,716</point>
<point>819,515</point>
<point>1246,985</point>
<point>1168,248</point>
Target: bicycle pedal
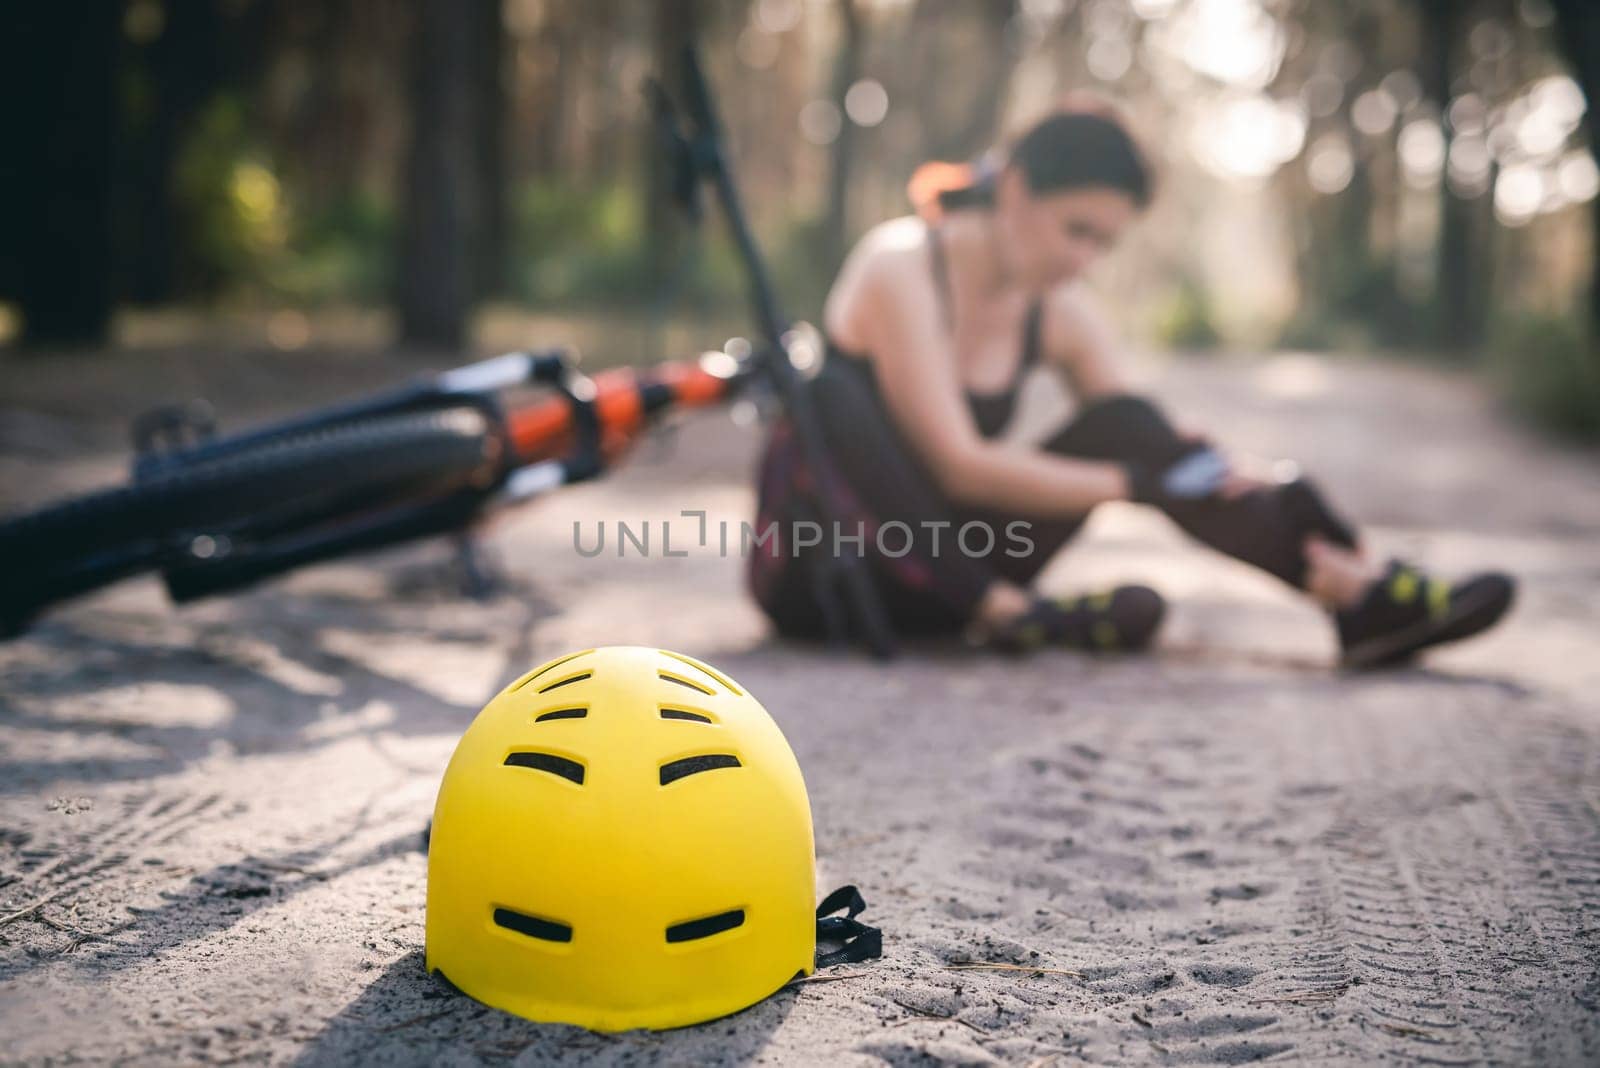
<point>173,428</point>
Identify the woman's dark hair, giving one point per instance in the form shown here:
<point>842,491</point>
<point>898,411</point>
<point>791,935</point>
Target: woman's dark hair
<point>1077,148</point>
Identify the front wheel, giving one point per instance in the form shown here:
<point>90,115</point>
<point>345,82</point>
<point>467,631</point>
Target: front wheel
<point>82,543</point>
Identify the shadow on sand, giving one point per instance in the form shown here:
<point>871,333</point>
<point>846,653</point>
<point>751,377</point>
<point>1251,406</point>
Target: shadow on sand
<point>268,714</point>
<point>404,1017</point>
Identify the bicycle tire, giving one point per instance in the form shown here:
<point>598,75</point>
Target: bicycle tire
<point>348,465</point>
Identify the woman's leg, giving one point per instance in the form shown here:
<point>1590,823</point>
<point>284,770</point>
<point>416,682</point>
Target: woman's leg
<point>1383,614</point>
<point>1287,530</point>
<point>1015,560</point>
<point>934,574</point>
<point>895,516</point>
<point>1268,527</point>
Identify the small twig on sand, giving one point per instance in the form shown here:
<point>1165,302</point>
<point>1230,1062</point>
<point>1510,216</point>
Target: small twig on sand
<point>1039,969</point>
<point>78,933</point>
<point>26,911</point>
<point>427,1017</point>
<point>285,866</point>
<point>924,1014</point>
<point>925,1017</point>
<point>1304,997</point>
<point>825,978</point>
<point>1405,1032</point>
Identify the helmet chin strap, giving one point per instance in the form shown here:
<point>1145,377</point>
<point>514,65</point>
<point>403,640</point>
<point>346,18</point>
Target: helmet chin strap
<point>857,941</point>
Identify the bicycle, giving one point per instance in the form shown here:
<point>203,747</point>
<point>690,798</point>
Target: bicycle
<point>216,513</point>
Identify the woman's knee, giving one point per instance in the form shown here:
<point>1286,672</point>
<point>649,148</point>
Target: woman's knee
<point>1137,417</point>
<point>1124,426</point>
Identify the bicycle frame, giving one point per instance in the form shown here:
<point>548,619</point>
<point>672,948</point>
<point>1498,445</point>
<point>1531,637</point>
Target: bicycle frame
<point>535,447</point>
<point>845,592</point>
<point>573,437</point>
<point>547,443</point>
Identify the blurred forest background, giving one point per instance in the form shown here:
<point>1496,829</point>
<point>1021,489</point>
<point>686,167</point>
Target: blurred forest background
<point>1396,175</point>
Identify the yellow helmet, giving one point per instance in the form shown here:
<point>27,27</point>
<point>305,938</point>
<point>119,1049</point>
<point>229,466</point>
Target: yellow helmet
<point>622,839</point>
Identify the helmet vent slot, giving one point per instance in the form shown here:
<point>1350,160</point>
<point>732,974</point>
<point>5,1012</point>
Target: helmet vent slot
<point>677,769</point>
<point>548,668</point>
<point>706,669</point>
<point>705,927</point>
<point>532,926</point>
<point>691,684</point>
<point>562,713</point>
<point>565,682</point>
<point>555,765</point>
<point>681,713</point>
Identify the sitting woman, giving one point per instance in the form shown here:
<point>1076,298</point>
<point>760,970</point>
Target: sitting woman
<point>931,325</point>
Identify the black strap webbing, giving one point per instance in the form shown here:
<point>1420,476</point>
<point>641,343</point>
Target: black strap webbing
<point>858,942</point>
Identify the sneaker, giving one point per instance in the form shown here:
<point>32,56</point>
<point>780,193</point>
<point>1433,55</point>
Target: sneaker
<point>1121,620</point>
<point>1406,611</point>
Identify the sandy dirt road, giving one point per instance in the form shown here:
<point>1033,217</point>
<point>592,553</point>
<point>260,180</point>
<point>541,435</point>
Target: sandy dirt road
<point>1221,853</point>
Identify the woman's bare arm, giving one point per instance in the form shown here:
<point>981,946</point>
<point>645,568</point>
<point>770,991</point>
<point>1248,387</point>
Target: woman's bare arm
<point>1080,341</point>
<point>892,314</point>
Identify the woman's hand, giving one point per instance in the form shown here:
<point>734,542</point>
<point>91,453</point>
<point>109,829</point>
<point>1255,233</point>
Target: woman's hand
<point>1240,477</point>
<point>1201,473</point>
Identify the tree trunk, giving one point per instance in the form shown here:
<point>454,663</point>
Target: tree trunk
<point>967,33</point>
<point>1578,30</point>
<point>441,218</point>
<point>491,89</point>
<point>551,94</point>
<point>186,68</point>
<point>1459,268</point>
<point>60,167</point>
<point>1361,282</point>
<point>846,70</point>
<point>664,227</point>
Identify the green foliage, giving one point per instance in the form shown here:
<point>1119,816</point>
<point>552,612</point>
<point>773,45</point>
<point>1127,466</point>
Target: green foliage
<point>585,245</point>
<point>1187,320</point>
<point>235,215</point>
<point>1357,304</point>
<point>578,243</point>
<point>804,263</point>
<point>344,252</point>
<point>1548,366</point>
<point>245,236</point>
<point>574,245</point>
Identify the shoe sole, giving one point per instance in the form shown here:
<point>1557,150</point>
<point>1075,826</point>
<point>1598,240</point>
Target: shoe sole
<point>1119,648</point>
<point>1402,645</point>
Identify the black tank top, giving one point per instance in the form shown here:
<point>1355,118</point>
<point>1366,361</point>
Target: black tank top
<point>990,411</point>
